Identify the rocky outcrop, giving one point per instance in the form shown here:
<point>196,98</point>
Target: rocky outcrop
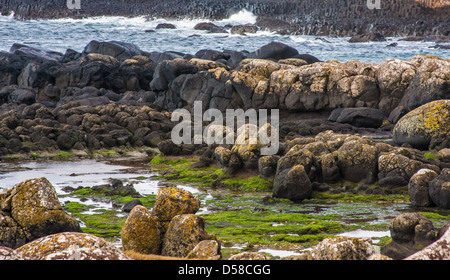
<point>435,251</point>
<point>31,210</point>
<point>340,248</point>
<point>172,201</point>
<point>171,228</point>
<point>439,189</point>
<point>425,127</point>
<point>71,246</point>
<point>183,234</point>
<point>418,188</point>
<point>410,232</point>
<point>141,232</point>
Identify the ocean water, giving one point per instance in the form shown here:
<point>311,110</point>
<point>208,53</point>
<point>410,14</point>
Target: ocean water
<point>61,34</point>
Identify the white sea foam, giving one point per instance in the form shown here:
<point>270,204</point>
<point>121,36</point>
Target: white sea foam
<point>62,34</point>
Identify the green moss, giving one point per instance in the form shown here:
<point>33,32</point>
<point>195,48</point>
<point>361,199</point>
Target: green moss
<point>361,198</point>
<point>108,153</point>
<point>270,228</point>
<point>62,155</point>
<point>105,223</point>
<point>430,155</point>
<point>253,183</point>
<point>76,207</point>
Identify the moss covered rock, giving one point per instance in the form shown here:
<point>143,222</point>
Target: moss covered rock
<point>70,246</point>
<point>424,125</point>
<point>32,210</point>
<point>141,232</point>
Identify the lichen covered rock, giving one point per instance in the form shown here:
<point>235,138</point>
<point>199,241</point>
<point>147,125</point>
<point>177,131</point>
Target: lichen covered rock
<point>70,246</point>
<point>31,209</point>
<point>341,248</point>
<point>173,201</point>
<point>183,234</point>
<point>141,232</point>
<point>424,125</point>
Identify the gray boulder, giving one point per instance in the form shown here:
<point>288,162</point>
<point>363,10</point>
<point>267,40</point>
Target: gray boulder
<point>440,189</point>
<point>360,117</point>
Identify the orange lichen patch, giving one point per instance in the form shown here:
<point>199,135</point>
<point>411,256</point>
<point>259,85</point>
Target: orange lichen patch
<point>174,201</point>
<point>141,232</point>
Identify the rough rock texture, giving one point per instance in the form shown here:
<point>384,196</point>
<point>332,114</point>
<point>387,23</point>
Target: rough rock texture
<point>341,248</point>
<point>7,253</point>
<point>357,161</point>
<point>30,210</point>
<point>183,234</point>
<point>172,201</point>
<point>439,250</point>
<point>439,189</point>
<point>249,256</point>
<point>418,188</point>
<point>205,250</point>
<point>410,232</point>
<point>422,126</point>
<point>70,246</point>
<point>141,233</point>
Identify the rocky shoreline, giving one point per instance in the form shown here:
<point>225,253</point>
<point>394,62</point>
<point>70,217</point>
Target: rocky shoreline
<point>382,127</point>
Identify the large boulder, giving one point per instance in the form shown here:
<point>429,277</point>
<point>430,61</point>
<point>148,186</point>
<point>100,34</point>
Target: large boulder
<point>71,246</point>
<point>418,187</point>
<point>439,189</point>
<point>172,201</point>
<point>341,248</point>
<point>360,117</point>
<point>435,251</point>
<point>410,232</point>
<point>116,49</point>
<point>430,123</point>
<point>275,50</point>
<point>294,173</point>
<point>431,82</point>
<point>183,234</point>
<point>393,77</point>
<point>166,71</point>
<point>33,210</point>
<point>396,169</point>
<point>357,161</point>
<point>141,232</point>
<point>293,184</point>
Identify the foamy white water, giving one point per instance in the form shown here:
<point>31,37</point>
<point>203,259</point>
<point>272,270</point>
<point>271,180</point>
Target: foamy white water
<point>62,34</point>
